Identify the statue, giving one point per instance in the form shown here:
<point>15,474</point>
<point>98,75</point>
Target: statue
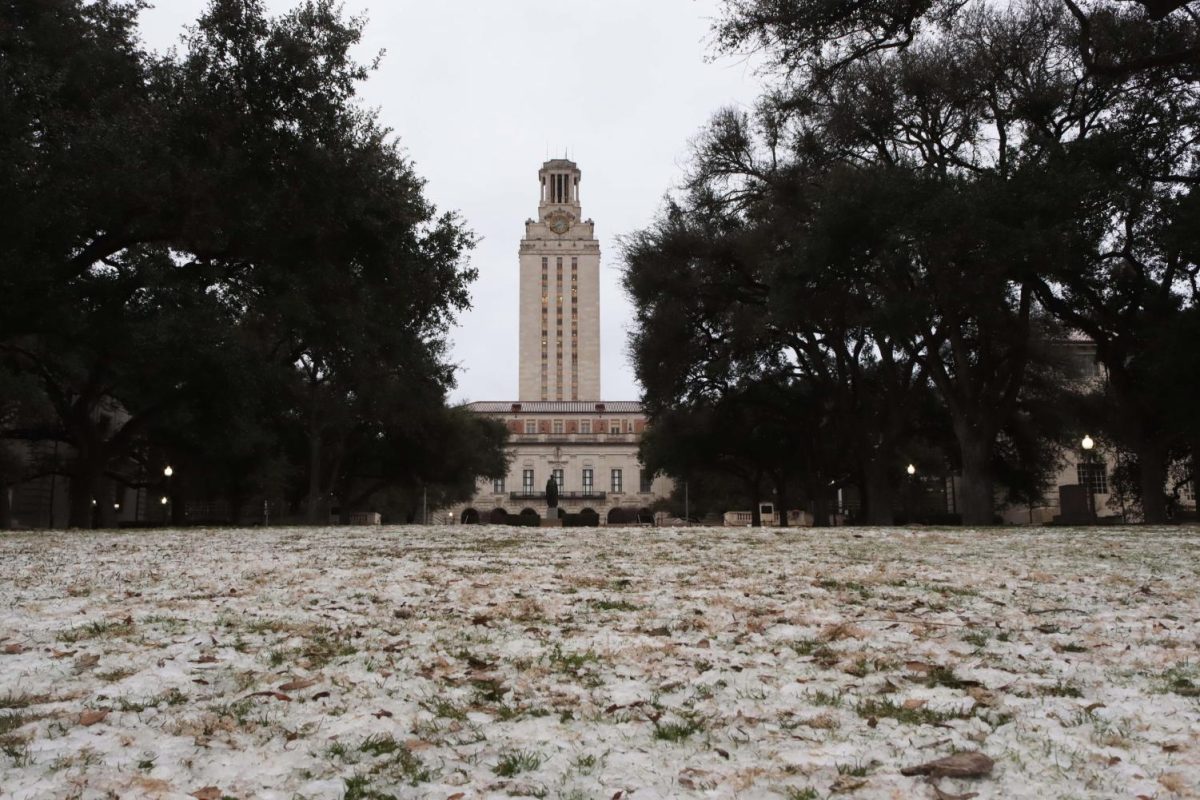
<point>552,493</point>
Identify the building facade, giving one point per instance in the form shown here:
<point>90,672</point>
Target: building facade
<point>559,427</point>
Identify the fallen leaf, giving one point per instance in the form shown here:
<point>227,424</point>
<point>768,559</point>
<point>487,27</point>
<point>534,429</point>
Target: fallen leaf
<point>14,649</point>
<point>320,695</point>
<point>297,684</point>
<point>63,653</point>
<point>960,765</point>
<point>723,753</point>
<point>92,716</point>
<point>1090,707</point>
<point>207,793</point>
<point>457,796</point>
<point>84,663</point>
<point>207,658</point>
<point>847,783</point>
<point>912,704</point>
<point>380,714</point>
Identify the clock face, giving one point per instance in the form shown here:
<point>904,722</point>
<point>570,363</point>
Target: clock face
<point>559,225</point>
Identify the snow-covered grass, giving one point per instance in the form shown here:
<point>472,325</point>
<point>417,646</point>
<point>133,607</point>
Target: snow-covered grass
<point>464,662</point>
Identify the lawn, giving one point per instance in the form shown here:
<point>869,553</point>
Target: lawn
<point>466,662</point>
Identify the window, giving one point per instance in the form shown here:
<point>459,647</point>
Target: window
<point>614,426</point>
<point>498,486</point>
<point>558,426</point>
<point>1094,476</point>
<point>629,426</point>
<point>558,478</point>
<point>616,481</point>
<point>644,481</point>
<point>585,425</point>
<point>587,479</point>
<point>530,426</point>
<point>527,481</point>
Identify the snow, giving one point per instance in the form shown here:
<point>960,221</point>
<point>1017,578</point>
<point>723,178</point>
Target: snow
<point>472,662</point>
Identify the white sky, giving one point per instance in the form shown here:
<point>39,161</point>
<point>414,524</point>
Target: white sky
<point>481,92</point>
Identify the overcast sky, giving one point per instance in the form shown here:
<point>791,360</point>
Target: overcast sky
<point>481,92</point>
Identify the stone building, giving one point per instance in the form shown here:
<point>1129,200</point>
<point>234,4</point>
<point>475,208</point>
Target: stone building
<point>559,426</point>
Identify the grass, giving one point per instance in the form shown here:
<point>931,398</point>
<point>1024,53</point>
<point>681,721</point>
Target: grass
<point>564,661</point>
<point>359,788</point>
<point>516,762</point>
<point>1182,679</point>
<point>23,700</point>
<point>678,730</point>
<point>807,793</point>
<point>98,629</point>
<point>1060,689</point>
<point>11,721</point>
<point>823,698</point>
<point>613,605</point>
<point>923,715</point>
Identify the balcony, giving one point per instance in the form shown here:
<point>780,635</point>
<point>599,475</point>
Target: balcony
<point>585,495</point>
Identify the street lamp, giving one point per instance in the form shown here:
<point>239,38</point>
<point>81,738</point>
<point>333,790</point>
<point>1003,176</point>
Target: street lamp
<point>1087,444</point>
<point>166,500</point>
<point>911,469</point>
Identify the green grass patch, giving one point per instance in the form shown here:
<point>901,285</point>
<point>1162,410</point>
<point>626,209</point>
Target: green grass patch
<point>99,629</point>
<point>516,762</point>
<point>873,707</point>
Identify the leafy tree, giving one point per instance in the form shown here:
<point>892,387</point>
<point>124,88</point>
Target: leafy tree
<point>168,221</point>
<point>1112,38</point>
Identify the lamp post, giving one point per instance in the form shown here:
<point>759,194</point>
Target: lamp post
<point>1087,444</point>
<point>166,500</point>
<point>911,469</point>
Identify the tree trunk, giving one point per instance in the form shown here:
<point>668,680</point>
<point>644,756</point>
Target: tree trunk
<point>1196,473</point>
<point>820,506</point>
<point>314,477</point>
<point>178,504</point>
<point>781,501</point>
<point>978,497</point>
<point>1152,478</point>
<point>105,499</point>
<point>879,494</point>
<point>5,507</point>
<point>84,488</point>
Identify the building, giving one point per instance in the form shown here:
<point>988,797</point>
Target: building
<point>560,428</point>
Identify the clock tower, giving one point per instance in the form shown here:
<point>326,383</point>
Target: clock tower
<point>559,356</point>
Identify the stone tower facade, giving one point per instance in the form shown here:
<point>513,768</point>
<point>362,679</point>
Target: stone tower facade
<point>559,355</point>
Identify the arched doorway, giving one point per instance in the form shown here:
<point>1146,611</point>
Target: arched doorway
<point>529,517</point>
<point>470,517</point>
<point>617,516</point>
<point>498,516</point>
<point>588,518</point>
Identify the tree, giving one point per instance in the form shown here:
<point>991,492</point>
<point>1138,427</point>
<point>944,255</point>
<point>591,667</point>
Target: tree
<point>1111,38</point>
<point>171,218</point>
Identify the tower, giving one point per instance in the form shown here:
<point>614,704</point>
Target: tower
<point>559,347</point>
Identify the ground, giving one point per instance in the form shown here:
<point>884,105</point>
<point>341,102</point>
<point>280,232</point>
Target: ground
<point>466,662</point>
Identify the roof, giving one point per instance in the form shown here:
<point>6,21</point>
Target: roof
<point>555,407</point>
